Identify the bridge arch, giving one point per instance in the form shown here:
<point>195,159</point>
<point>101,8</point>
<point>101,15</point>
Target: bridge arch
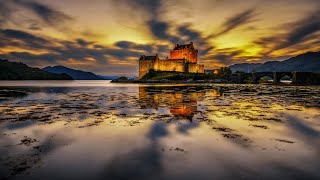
<point>297,77</point>
<point>257,76</point>
<point>246,77</point>
<point>279,75</point>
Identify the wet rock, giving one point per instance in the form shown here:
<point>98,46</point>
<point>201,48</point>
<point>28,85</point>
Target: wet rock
<point>248,90</point>
<point>285,141</point>
<point>259,126</point>
<point>232,135</point>
<point>177,149</point>
<point>274,119</point>
<point>95,123</point>
<point>222,129</point>
<point>12,93</point>
<point>27,141</point>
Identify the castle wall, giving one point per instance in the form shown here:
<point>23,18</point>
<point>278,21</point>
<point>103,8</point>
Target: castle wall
<point>189,55</point>
<point>177,65</point>
<point>183,58</point>
<point>145,66</point>
<point>195,68</point>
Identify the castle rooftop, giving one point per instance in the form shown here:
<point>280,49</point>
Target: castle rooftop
<point>143,57</point>
<point>183,46</point>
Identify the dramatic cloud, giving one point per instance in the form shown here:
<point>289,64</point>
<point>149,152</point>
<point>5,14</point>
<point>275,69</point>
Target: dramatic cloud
<point>236,21</point>
<point>224,56</point>
<point>5,13</point>
<point>160,30</point>
<point>134,46</point>
<point>23,36</point>
<point>191,35</point>
<point>303,33</point>
<point>108,37</point>
<point>57,51</point>
<point>151,7</point>
<point>48,14</point>
<point>301,30</point>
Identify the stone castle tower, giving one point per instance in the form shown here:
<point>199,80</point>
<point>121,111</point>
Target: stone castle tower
<point>183,58</point>
<point>186,52</point>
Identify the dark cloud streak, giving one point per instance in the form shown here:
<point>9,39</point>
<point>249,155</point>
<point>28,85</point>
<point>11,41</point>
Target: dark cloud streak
<point>46,13</point>
<point>301,30</point>
<point>54,51</point>
<point>16,38</point>
<point>5,13</point>
<point>151,7</point>
<point>236,21</point>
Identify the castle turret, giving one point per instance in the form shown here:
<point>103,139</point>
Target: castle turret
<point>146,63</point>
<point>185,51</point>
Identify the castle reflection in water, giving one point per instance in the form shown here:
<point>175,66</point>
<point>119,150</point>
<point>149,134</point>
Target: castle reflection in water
<point>181,101</point>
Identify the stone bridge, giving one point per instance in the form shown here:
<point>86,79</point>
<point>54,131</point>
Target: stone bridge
<point>307,78</point>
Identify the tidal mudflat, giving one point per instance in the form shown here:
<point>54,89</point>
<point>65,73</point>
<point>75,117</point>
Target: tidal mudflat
<point>98,130</point>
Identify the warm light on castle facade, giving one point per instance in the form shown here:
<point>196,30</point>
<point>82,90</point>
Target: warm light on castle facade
<point>183,58</point>
<point>186,52</point>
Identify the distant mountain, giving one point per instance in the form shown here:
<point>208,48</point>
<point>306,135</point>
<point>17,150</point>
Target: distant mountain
<point>109,77</point>
<point>133,77</point>
<point>115,77</point>
<point>308,62</point>
<point>75,74</point>
<point>19,71</point>
<point>245,67</point>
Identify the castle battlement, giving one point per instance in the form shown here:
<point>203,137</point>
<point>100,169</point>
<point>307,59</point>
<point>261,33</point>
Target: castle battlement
<point>183,58</point>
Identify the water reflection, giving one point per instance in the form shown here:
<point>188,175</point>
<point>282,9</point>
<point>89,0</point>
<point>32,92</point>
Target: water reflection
<point>140,163</point>
<point>182,101</point>
<point>161,132</point>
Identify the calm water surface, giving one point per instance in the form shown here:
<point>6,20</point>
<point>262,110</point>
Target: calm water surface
<point>98,130</point>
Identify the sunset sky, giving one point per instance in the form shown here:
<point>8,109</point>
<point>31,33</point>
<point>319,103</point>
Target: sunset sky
<point>108,36</point>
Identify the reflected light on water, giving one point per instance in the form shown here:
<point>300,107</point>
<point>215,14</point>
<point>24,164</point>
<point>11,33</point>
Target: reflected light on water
<point>98,130</point>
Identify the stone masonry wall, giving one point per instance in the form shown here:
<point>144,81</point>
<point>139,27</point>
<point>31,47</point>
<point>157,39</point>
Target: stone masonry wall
<point>177,65</point>
<point>171,65</point>
<point>189,55</point>
<point>195,68</point>
<point>145,66</point>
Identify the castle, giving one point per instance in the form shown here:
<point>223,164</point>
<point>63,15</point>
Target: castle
<point>183,58</point>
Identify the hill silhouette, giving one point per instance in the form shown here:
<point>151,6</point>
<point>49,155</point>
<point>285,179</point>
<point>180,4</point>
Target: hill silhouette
<point>307,62</point>
<point>19,71</point>
<point>75,74</point>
